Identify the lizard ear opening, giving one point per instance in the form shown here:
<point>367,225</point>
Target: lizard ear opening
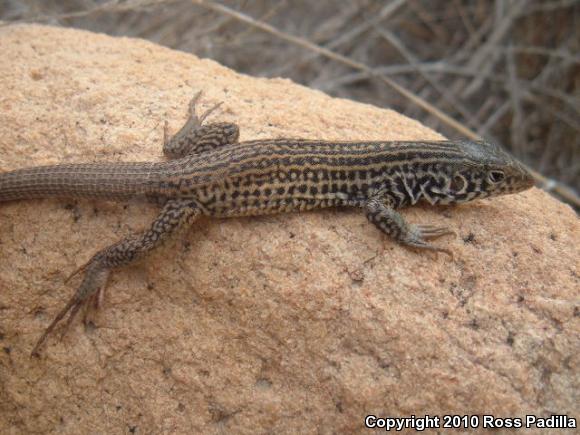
<point>458,183</point>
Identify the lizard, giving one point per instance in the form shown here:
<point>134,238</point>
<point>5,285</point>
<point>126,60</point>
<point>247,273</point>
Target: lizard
<point>208,172</point>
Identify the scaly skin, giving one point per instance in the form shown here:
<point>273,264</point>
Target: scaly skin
<point>211,174</point>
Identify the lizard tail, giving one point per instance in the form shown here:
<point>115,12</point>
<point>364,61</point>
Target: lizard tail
<point>92,180</point>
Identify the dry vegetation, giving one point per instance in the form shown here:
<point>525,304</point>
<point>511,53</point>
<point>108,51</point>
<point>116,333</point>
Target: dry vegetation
<point>507,70</point>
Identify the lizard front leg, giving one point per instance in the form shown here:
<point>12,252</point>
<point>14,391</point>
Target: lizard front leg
<point>175,214</point>
<point>195,138</point>
<point>392,223</point>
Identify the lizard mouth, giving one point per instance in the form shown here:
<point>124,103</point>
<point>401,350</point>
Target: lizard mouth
<point>527,179</point>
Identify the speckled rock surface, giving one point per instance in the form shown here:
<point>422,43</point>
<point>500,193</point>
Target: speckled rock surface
<point>279,324</point>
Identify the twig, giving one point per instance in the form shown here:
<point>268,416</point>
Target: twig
<point>484,59</point>
<point>414,63</point>
<point>342,59</point>
<point>515,99</point>
<point>383,14</point>
<point>110,6</point>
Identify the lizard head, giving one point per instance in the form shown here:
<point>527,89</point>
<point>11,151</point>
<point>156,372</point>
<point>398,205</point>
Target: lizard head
<point>485,170</point>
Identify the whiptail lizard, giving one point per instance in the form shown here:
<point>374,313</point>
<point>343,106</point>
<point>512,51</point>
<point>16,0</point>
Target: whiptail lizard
<point>210,173</point>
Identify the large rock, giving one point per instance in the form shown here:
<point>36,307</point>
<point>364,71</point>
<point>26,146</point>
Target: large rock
<point>279,324</point>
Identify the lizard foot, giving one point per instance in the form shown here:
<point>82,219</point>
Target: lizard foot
<point>192,112</point>
<point>419,233</point>
<point>89,294</point>
<point>432,231</point>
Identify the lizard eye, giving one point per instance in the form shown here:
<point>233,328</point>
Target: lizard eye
<point>496,176</point>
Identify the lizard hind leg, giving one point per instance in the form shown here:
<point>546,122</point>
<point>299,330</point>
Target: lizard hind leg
<point>175,214</point>
<point>194,137</point>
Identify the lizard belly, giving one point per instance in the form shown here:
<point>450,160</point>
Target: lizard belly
<point>256,207</point>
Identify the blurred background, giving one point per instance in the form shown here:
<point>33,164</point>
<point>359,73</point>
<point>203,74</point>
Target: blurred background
<point>505,70</point>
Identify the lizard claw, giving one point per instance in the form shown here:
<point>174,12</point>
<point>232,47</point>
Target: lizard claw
<point>76,272</point>
<point>193,103</point>
<point>432,231</point>
<point>165,133</point>
<point>208,112</point>
<point>192,112</point>
<point>420,233</point>
<point>421,244</point>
